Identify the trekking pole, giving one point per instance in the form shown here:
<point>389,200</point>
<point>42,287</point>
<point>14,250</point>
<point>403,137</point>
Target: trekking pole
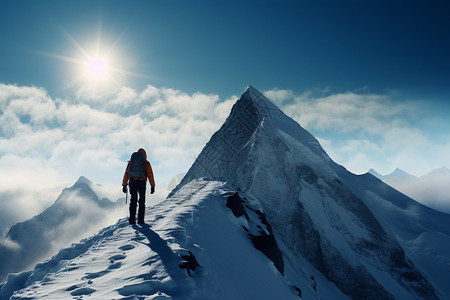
<point>126,197</point>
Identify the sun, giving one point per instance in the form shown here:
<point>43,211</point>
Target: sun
<point>96,65</point>
<point>96,68</point>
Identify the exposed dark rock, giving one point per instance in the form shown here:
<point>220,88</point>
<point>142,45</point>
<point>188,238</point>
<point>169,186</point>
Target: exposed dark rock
<point>299,291</point>
<point>268,246</point>
<point>262,217</point>
<point>189,263</point>
<point>262,241</point>
<point>235,203</point>
<point>314,284</point>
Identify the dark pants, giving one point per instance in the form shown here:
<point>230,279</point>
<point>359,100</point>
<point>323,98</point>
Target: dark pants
<point>137,187</point>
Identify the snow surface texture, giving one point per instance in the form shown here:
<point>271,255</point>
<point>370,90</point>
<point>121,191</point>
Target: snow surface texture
<point>432,189</point>
<point>137,262</point>
<point>319,215</point>
<point>76,213</point>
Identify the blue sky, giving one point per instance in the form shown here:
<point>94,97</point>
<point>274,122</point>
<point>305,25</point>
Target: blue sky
<point>370,79</point>
<point>220,46</point>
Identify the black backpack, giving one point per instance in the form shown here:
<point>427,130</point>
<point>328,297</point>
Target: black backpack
<point>137,165</point>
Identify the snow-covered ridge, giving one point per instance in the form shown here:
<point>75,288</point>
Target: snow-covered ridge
<point>147,261</point>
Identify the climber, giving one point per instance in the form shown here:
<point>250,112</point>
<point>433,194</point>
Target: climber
<point>136,174</point>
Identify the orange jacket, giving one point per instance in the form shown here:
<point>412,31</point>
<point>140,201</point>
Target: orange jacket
<point>148,172</point>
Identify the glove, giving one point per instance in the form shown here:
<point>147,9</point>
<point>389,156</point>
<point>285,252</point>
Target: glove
<point>124,189</point>
<point>152,190</point>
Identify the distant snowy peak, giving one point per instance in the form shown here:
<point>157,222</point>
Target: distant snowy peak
<point>441,174</point>
<point>82,181</point>
<point>85,190</point>
<point>432,189</point>
<point>400,174</point>
<point>44,233</point>
<point>81,187</point>
<point>375,173</point>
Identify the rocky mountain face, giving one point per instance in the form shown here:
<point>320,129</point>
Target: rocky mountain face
<point>310,201</point>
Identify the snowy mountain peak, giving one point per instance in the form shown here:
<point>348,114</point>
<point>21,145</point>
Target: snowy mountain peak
<point>441,172</point>
<point>374,173</point>
<point>264,106</point>
<point>399,172</point>
<point>83,188</point>
<point>398,175</point>
<point>253,120</point>
<point>83,180</point>
<point>269,156</point>
<point>76,212</point>
<point>253,93</point>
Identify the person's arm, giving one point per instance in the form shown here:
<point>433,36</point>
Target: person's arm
<point>151,178</point>
<point>126,176</point>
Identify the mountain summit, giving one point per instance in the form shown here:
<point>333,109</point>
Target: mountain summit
<point>317,216</point>
<point>252,118</point>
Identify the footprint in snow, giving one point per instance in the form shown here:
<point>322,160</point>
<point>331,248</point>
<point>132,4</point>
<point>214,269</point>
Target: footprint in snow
<point>117,257</point>
<point>70,269</point>
<point>82,291</point>
<point>96,274</point>
<point>116,265</point>
<point>127,247</point>
<point>72,287</point>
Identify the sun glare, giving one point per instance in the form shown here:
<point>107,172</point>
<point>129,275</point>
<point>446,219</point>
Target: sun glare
<point>97,68</point>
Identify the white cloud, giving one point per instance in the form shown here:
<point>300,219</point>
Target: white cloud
<point>47,142</point>
<point>386,130</point>
<point>347,112</point>
<point>27,186</point>
<point>8,244</point>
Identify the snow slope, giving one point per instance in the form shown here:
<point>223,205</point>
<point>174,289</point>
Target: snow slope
<point>77,212</point>
<point>137,262</point>
<point>315,211</point>
<point>423,233</point>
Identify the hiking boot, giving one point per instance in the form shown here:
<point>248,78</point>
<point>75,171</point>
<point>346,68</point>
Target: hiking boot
<point>131,221</point>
